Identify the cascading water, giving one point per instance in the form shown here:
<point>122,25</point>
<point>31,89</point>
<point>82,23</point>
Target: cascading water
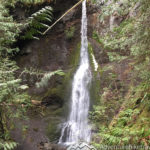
<point>76,129</point>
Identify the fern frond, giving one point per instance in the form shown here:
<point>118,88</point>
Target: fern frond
<point>8,29</point>
<point>31,2</point>
<point>10,82</point>
<point>46,78</point>
<point>37,22</point>
<point>8,145</point>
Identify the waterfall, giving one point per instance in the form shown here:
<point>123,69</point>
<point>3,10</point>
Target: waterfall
<point>76,129</point>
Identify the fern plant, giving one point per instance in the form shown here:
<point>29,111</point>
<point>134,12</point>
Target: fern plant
<point>29,2</point>
<point>70,32</point>
<point>12,96</point>
<point>37,22</point>
<point>8,30</point>
<point>8,145</point>
<point>44,77</point>
<point>47,76</point>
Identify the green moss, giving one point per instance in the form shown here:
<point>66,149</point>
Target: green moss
<point>40,57</point>
<point>95,86</point>
<point>52,130</point>
<point>131,125</point>
<point>69,32</point>
<point>75,57</point>
<point>142,120</point>
<point>63,90</point>
<point>58,91</point>
<point>73,64</point>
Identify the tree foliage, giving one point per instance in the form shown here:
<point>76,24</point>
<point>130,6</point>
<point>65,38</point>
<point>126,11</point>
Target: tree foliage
<point>34,1</point>
<point>14,101</point>
<point>8,31</point>
<point>9,145</point>
<point>29,2</point>
<point>128,39</point>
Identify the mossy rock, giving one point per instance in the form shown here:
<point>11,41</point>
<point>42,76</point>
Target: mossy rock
<point>52,130</point>
<point>95,86</point>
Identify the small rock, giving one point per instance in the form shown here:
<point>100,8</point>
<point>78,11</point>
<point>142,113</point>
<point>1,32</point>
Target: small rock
<point>47,146</point>
<point>50,146</point>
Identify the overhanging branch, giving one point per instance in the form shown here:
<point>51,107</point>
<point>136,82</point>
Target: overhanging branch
<point>62,16</point>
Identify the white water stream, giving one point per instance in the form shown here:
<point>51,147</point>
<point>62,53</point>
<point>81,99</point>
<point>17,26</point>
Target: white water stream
<point>77,129</point>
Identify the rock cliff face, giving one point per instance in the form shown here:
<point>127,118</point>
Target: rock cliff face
<point>58,49</point>
<point>54,50</point>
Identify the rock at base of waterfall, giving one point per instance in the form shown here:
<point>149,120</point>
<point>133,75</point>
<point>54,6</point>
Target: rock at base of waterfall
<point>50,146</point>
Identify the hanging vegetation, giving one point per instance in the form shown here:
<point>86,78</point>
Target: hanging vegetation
<point>33,2</point>
<point>37,22</point>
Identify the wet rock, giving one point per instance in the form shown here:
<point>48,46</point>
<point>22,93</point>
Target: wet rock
<point>50,146</point>
<point>19,13</point>
<point>100,54</point>
<point>52,100</point>
<point>26,50</point>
